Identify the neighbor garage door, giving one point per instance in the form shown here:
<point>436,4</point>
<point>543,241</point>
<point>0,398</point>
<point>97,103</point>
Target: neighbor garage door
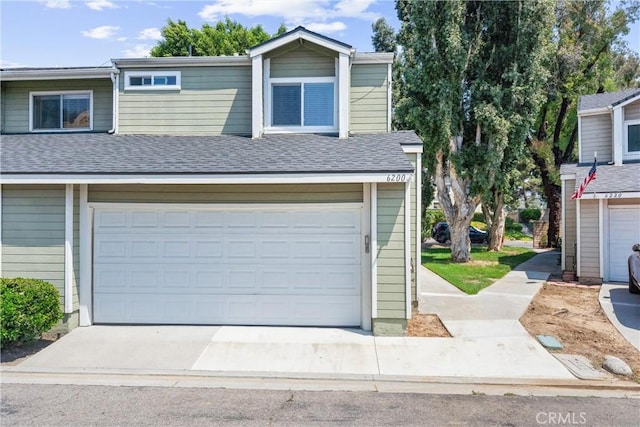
<point>273,265</point>
<point>624,232</point>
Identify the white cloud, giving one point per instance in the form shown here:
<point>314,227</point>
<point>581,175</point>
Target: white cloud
<point>326,27</point>
<point>102,33</point>
<point>101,4</point>
<point>57,4</point>
<point>121,39</point>
<point>150,34</point>
<point>137,51</point>
<point>294,12</point>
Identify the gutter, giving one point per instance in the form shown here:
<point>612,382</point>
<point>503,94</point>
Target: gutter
<point>115,79</point>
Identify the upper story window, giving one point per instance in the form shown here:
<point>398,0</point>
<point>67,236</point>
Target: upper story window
<point>61,111</point>
<point>632,139</point>
<point>152,80</point>
<point>302,105</point>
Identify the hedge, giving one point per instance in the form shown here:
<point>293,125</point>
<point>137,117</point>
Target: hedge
<point>527,215</point>
<point>29,307</point>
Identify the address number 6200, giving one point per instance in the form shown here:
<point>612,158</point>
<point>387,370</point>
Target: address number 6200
<point>396,177</point>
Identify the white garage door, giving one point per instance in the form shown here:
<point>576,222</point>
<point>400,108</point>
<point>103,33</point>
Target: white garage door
<point>624,232</point>
<point>261,266</point>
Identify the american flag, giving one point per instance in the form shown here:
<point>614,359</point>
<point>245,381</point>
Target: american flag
<point>587,179</point>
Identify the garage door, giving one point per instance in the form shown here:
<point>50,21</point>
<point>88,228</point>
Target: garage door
<point>624,232</point>
<point>289,265</point>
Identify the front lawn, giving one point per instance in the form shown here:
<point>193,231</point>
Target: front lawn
<point>483,269</point>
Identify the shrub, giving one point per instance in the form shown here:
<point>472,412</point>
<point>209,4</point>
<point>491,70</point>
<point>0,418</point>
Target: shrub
<point>29,308</point>
<point>530,215</point>
<point>431,218</point>
<point>478,217</point>
<point>511,225</point>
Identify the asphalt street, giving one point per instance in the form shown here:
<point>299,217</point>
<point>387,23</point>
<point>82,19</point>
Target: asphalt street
<point>72,405</point>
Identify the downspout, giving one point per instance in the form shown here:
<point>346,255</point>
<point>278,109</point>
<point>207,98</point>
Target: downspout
<point>115,79</point>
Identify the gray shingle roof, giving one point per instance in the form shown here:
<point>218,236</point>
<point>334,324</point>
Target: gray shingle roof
<point>609,178</point>
<point>603,100</point>
<point>98,154</point>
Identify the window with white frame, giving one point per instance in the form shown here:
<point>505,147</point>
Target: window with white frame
<point>152,80</point>
<point>61,111</point>
<point>306,104</point>
<point>632,139</point>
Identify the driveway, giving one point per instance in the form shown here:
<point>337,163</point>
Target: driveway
<point>623,310</point>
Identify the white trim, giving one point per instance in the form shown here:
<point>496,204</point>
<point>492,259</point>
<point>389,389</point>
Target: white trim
<point>579,139</point>
<point>183,61</point>
<point>563,253</point>
<point>115,81</point>
<point>61,93</point>
<point>68,249</point>
<point>366,258</point>
<point>618,137</point>
<point>372,58</point>
<point>418,261</point>
<point>611,195</point>
<point>626,154</point>
<point>578,260</point>
<point>305,178</point>
<point>567,176</point>
<point>0,230</point>
<point>594,111</point>
<point>407,247</point>
<point>302,35</point>
<point>374,250</point>
<point>413,148</point>
<point>389,97</point>
<point>56,74</point>
<point>224,206</point>
<point>343,98</point>
<point>153,74</point>
<point>256,96</point>
<point>86,259</point>
<point>601,236</point>
<point>627,102</point>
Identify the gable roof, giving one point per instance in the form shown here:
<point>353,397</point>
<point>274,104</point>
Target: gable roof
<point>300,33</point>
<point>607,99</point>
<point>105,154</point>
<point>610,178</point>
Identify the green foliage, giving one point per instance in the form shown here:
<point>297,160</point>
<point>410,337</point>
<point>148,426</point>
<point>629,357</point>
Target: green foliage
<point>384,37</point>
<point>225,38</point>
<point>478,217</point>
<point>431,218</point>
<point>29,308</point>
<point>511,225</point>
<point>527,215</point>
<point>470,277</point>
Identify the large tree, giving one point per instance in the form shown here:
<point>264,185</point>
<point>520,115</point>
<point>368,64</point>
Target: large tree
<point>587,57</point>
<point>471,76</point>
<point>384,37</point>
<point>225,38</point>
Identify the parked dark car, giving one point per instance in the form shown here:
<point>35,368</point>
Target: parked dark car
<point>440,232</point>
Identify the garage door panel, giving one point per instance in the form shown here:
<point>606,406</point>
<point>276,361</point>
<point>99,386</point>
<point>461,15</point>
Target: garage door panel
<point>269,267</point>
<point>624,232</point>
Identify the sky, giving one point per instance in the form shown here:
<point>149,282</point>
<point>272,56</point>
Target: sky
<point>67,33</point>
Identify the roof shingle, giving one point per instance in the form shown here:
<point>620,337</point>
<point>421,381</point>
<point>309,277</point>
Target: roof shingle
<point>603,100</point>
<point>609,178</point>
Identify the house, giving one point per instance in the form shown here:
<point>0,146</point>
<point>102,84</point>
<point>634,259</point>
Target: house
<point>599,228</point>
<point>259,189</point>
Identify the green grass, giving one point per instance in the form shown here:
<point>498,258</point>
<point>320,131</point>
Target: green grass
<point>483,269</point>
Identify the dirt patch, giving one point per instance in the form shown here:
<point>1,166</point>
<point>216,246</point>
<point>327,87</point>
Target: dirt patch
<point>573,315</point>
<point>14,354</point>
<point>426,325</point>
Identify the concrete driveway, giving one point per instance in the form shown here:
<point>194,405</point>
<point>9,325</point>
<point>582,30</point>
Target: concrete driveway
<point>295,352</point>
<point>623,310</point>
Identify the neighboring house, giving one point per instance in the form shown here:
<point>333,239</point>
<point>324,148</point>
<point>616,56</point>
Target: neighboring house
<point>599,229</point>
<point>258,189</point>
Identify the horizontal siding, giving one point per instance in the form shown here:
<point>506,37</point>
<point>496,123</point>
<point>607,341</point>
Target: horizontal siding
<point>414,228</point>
<point>596,135</point>
<point>391,263</point>
<point>213,100</point>
<point>569,226</point>
<point>632,111</point>
<point>303,62</point>
<point>589,239</point>
<point>297,193</point>
<point>33,236</point>
<point>16,101</point>
<point>368,98</point>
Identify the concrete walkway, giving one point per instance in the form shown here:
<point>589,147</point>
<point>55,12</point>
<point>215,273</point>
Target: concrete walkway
<point>623,310</point>
<point>488,344</point>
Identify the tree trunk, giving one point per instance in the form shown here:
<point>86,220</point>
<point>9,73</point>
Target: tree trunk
<point>554,201</point>
<point>460,243</point>
<point>496,231</point>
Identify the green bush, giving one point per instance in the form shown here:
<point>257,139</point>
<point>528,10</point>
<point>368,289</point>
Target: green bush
<point>478,217</point>
<point>511,225</point>
<point>530,215</point>
<point>29,307</point>
<point>431,218</point>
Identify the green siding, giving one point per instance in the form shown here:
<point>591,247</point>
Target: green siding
<point>369,108</point>
<point>589,239</point>
<point>259,193</point>
<point>76,248</point>
<point>212,101</point>
<point>33,233</point>
<point>15,99</point>
<point>391,252</point>
<point>303,62</point>
<point>413,227</point>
